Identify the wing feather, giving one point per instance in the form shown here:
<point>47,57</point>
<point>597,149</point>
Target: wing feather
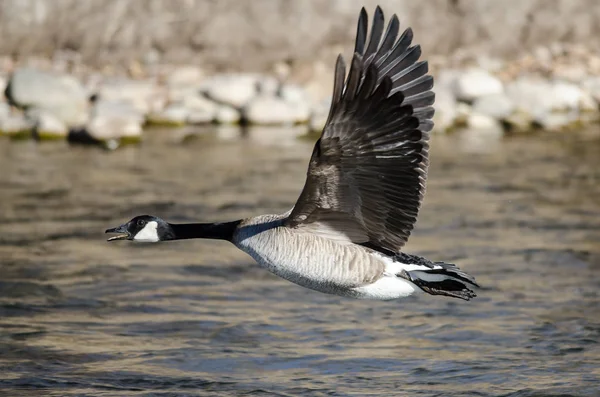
<point>366,177</point>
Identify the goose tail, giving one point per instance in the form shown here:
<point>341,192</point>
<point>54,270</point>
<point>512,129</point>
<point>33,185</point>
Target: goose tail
<point>444,279</point>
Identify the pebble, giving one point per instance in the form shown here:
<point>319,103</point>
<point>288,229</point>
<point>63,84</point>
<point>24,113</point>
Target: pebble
<point>15,125</point>
<point>269,110</point>
<point>482,122</point>
<point>174,115</point>
<point>46,124</point>
<point>235,90</point>
<point>475,83</point>
<point>139,93</point>
<point>446,114</point>
<point>112,120</point>
<point>62,95</point>
<point>227,115</point>
<point>498,106</point>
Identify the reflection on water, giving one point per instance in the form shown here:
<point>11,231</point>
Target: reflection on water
<point>82,317</point>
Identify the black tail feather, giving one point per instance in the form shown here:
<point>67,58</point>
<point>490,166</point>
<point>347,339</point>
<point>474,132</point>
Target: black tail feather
<point>448,287</point>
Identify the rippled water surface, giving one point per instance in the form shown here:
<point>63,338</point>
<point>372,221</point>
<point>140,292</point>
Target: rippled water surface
<point>79,316</point>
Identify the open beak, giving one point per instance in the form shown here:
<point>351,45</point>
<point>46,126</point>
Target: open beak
<point>123,234</point>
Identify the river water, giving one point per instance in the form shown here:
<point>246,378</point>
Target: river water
<point>83,317</point>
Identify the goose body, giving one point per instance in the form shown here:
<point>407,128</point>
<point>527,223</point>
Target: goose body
<point>364,186</point>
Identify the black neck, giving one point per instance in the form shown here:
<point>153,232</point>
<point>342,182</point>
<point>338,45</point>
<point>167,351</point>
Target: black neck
<point>217,231</point>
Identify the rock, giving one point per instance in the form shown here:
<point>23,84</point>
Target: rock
<point>179,93</point>
<point>200,110</point>
<point>2,87</point>
<point>475,83</point>
<point>185,75</point>
<point>61,95</point>
<point>592,86</point>
<point>268,110</point>
<point>567,96</point>
<point>463,112</point>
<point>293,93</point>
<point>558,121</point>
<point>497,106</point>
<point>199,117</point>
<point>198,102</point>
<point>319,115</point>
<point>46,125</point>
<point>16,126</point>
<point>518,122</point>
<point>139,93</point>
<point>174,115</point>
<point>587,103</point>
<point>234,90</point>
<point>268,85</point>
<point>316,123</point>
<point>115,120</point>
<point>478,121</point>
<point>531,96</point>
<point>227,115</point>
<point>4,110</point>
<point>445,114</point>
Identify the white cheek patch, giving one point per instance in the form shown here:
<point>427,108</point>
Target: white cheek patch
<point>149,234</point>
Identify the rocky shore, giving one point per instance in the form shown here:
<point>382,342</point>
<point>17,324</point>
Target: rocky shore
<point>554,88</point>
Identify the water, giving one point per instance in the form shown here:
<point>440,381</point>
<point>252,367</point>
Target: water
<point>83,317</point>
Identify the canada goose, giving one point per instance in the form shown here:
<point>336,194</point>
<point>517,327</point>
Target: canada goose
<point>364,186</point>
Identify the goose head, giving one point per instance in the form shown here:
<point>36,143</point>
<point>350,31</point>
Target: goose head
<point>143,228</point>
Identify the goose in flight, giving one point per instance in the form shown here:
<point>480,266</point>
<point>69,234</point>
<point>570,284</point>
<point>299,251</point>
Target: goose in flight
<point>364,186</point>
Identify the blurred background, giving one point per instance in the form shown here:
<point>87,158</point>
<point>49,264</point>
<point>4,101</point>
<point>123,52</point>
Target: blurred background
<point>207,111</point>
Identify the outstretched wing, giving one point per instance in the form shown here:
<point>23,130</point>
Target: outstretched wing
<point>366,176</point>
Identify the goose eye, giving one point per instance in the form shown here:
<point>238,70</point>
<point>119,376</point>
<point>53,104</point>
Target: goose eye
<point>141,222</point>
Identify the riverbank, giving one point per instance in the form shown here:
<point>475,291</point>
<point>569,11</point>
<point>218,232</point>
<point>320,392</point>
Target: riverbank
<point>554,88</point>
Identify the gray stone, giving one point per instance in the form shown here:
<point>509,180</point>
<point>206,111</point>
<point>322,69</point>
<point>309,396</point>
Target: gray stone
<point>198,102</point>
<point>475,83</point>
<point>478,121</point>
<point>557,121</point>
<point>445,115</point>
<point>4,110</point>
<point>267,85</point>
<point>531,96</point>
<point>518,122</point>
<point>566,96</point>
<point>16,125</point>
<point>234,90</point>
<point>115,120</point>
<point>497,106</point>
<point>46,124</point>
<point>538,97</point>
<point>2,87</point>
<point>62,95</point>
<point>592,86</point>
<point>268,110</point>
<point>139,93</point>
<point>173,115</point>
<point>319,115</point>
<point>199,117</point>
<point>200,109</point>
<point>294,93</point>
<point>227,115</point>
